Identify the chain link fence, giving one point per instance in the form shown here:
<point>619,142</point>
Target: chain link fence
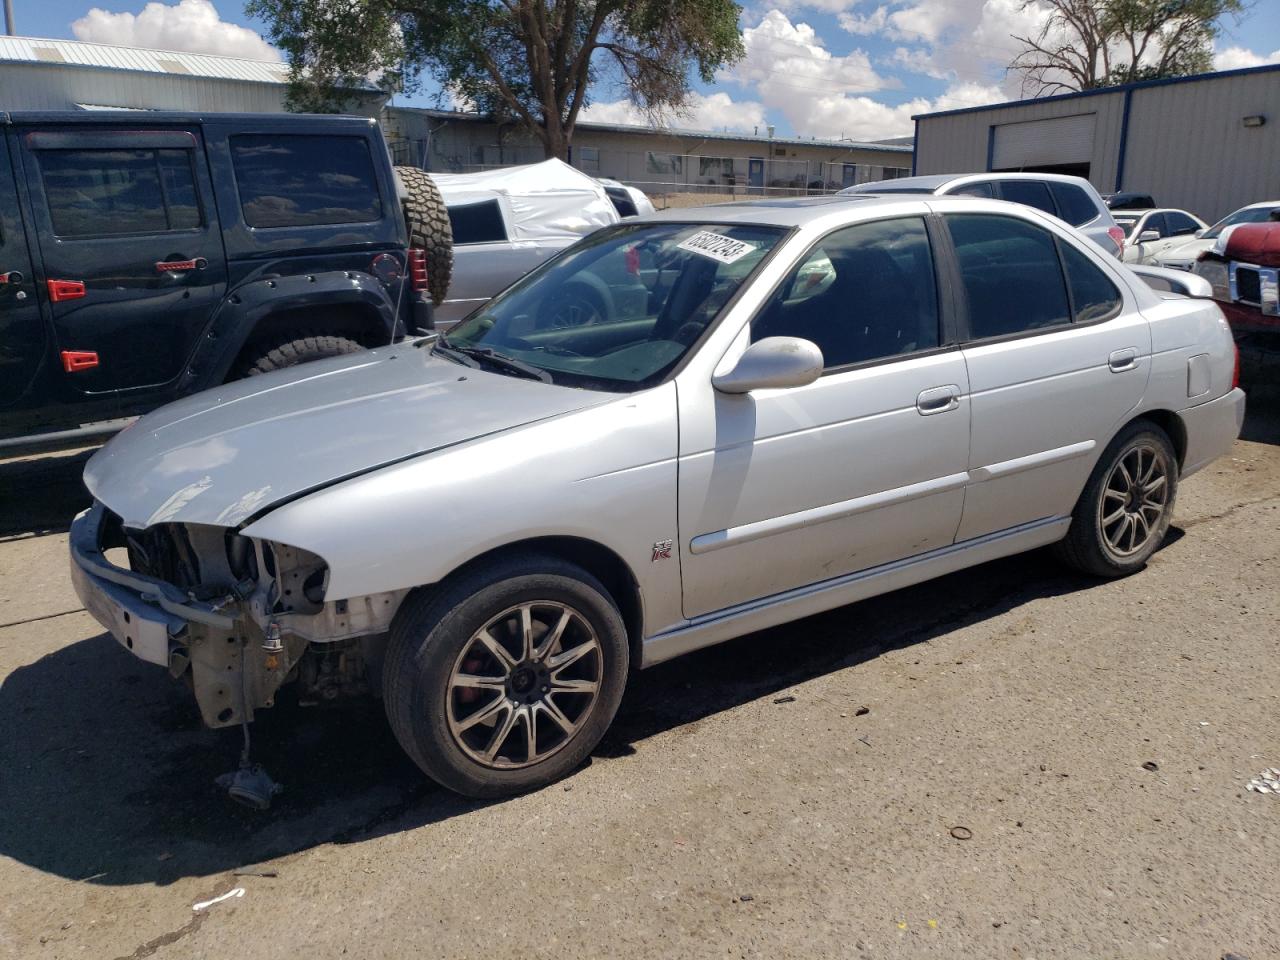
<point>674,179</point>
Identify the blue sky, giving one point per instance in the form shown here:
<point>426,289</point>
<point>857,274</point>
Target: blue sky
<point>825,68</point>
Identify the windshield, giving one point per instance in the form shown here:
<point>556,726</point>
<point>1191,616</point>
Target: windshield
<point>1247,215</point>
<point>616,311</point>
<point>1126,223</point>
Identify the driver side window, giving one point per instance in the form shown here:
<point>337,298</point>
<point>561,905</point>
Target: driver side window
<point>864,293</point>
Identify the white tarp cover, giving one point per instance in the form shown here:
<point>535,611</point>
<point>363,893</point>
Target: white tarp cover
<point>544,200</point>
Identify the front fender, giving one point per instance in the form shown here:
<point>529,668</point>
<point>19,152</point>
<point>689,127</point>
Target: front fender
<point>605,474</point>
<point>244,308</point>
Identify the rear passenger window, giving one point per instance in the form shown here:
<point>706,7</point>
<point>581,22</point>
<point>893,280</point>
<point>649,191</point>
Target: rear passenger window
<point>304,181</point>
<point>1011,275</point>
<point>1093,294</point>
<point>94,193</point>
<point>477,222</point>
<point>980,189</point>
<point>1074,205</point>
<point>866,292</point>
<point>1030,193</point>
<point>1180,224</point>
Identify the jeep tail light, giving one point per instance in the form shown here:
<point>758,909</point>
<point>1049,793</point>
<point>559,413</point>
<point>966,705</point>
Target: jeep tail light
<point>1235,373</point>
<point>1116,234</point>
<point>418,268</point>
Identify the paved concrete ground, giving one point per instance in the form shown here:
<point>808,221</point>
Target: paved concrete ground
<point>721,817</point>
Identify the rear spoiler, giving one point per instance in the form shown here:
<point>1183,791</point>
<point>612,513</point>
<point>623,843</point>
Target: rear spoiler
<point>1174,281</point>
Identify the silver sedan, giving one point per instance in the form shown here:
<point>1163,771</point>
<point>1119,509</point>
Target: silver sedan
<point>782,407</point>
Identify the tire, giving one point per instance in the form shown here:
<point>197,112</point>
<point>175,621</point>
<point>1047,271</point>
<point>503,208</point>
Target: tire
<point>1116,548</point>
<point>427,221</point>
<point>289,349</point>
<point>449,697</point>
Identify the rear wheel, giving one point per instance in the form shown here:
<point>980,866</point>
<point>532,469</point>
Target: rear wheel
<point>289,349</point>
<point>1123,515</point>
<point>506,679</point>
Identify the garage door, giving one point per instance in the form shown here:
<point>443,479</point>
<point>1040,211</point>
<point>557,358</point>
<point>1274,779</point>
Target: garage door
<point>1043,143</point>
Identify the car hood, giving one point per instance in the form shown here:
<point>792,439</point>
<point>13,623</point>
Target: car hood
<point>226,455</point>
<point>1186,250</point>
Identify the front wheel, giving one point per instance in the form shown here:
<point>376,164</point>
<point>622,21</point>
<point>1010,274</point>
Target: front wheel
<point>506,679</point>
<point>1123,515</point>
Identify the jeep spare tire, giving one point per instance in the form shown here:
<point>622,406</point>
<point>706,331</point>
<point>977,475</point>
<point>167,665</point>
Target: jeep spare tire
<point>427,220</point>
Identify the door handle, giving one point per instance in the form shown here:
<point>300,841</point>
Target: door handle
<point>1121,360</point>
<point>938,400</point>
<point>178,266</point>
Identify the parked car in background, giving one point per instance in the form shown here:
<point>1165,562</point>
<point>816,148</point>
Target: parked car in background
<point>1150,232</point>
<point>145,256</point>
<point>514,515</point>
<point>1243,268</point>
<point>1127,200</point>
<point>1071,199</point>
<point>508,220</point>
<point>628,201</point>
<point>1183,255</point>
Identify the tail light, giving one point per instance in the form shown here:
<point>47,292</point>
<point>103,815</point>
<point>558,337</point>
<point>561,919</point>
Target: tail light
<point>1235,373</point>
<point>418,268</point>
<point>1116,234</point>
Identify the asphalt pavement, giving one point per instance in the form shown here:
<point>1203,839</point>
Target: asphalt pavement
<point>1013,761</point>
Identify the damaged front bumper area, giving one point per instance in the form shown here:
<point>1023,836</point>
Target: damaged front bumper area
<point>234,618</point>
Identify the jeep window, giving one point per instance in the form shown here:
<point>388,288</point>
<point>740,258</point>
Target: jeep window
<point>96,193</point>
<point>479,222</point>
<point>305,181</point>
<point>618,310</point>
<point>1247,215</point>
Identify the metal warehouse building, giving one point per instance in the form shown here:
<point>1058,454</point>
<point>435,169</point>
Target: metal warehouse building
<point>41,74</point>
<point>1208,143</point>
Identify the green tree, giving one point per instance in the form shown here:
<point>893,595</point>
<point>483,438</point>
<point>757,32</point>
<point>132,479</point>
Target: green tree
<point>1085,44</point>
<point>531,61</point>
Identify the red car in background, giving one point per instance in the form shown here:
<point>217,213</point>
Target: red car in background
<point>1244,269</point>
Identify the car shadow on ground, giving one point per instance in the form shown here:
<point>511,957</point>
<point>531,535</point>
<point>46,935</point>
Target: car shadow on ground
<point>40,495</point>
<point>108,775</point>
<point>1262,415</point>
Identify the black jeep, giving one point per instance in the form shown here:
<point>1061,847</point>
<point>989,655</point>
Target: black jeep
<point>147,256</point>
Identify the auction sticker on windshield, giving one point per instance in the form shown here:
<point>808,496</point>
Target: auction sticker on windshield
<point>716,246</point>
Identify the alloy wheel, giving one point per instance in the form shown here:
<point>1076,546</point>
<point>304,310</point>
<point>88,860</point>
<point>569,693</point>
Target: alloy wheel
<point>1134,500</point>
<point>524,684</point>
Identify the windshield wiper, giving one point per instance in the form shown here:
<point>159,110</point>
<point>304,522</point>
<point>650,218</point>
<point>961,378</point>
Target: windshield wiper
<point>453,353</point>
<point>499,360</point>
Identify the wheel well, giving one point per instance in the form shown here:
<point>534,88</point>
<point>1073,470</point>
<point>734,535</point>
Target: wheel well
<point>598,560</point>
<point>360,323</point>
<point>1170,423</point>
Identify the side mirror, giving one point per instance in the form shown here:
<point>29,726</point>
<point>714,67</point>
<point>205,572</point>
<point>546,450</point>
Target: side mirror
<point>1146,236</point>
<point>771,364</point>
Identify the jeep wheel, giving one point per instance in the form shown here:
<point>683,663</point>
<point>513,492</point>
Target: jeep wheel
<point>1123,515</point>
<point>427,220</point>
<point>506,679</point>
<point>290,349</point>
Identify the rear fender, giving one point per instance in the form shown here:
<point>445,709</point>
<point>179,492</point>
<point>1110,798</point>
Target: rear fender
<point>245,308</point>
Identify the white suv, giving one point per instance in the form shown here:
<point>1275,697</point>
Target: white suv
<point>1072,199</point>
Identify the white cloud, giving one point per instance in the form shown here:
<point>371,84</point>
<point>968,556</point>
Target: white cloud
<point>193,26</point>
<point>1233,58</point>
<point>917,60</point>
<point>791,61</point>
<point>865,24</point>
<point>715,111</point>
